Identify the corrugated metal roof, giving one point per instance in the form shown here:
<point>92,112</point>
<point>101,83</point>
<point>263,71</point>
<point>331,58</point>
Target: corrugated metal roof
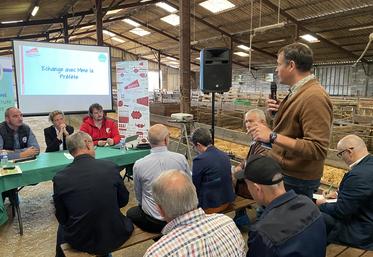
<point>331,20</point>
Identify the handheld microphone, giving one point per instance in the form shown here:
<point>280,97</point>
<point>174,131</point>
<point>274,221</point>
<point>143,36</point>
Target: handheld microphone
<point>274,91</point>
<point>273,94</point>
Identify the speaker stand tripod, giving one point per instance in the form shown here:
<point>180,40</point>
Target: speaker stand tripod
<point>184,136</point>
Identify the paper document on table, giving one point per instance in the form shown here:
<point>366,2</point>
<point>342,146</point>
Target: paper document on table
<point>68,156</point>
<point>320,197</point>
<point>6,172</point>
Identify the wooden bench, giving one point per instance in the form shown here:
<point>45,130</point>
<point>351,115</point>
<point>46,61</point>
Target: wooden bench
<point>334,250</point>
<point>138,235</point>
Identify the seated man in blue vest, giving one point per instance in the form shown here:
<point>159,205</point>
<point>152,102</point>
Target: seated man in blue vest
<point>291,224</point>
<point>17,138</point>
<point>211,174</point>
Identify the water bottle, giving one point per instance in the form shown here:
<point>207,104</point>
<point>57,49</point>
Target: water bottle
<point>4,158</point>
<point>122,144</point>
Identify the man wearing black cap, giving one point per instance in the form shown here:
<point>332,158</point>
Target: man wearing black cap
<point>291,225</point>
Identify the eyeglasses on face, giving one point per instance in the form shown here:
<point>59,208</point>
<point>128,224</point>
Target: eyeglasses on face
<point>341,152</point>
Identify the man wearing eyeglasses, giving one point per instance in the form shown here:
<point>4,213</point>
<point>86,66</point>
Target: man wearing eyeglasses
<point>350,220</point>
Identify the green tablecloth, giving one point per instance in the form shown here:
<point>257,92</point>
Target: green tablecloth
<point>48,164</point>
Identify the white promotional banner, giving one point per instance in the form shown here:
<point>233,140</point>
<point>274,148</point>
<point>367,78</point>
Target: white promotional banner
<point>133,98</point>
<point>6,85</point>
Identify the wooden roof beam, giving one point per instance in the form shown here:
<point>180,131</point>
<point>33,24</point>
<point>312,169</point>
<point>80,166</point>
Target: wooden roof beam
<point>223,32</point>
<point>144,45</point>
<point>302,28</point>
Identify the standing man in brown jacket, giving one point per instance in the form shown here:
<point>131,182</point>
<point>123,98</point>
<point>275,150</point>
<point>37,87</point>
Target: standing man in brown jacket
<point>302,123</point>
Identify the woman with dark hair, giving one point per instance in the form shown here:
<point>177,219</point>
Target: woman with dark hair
<point>55,135</point>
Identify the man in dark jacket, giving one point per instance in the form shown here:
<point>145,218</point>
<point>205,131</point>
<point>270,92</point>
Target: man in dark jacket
<point>211,174</point>
<point>291,225</point>
<point>350,220</point>
<point>88,195</point>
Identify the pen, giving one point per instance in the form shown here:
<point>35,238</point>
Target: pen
<point>330,187</point>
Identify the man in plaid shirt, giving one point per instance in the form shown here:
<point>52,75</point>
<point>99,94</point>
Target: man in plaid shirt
<point>190,232</point>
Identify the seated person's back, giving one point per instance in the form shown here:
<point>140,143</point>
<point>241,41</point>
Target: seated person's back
<point>88,195</point>
<point>146,215</point>
<point>291,224</point>
<point>211,173</point>
<point>190,231</point>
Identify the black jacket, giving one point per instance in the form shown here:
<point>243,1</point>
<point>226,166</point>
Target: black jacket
<point>88,195</point>
<point>353,211</point>
<point>50,135</point>
<point>291,226</point>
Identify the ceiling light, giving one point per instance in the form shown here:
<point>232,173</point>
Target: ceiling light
<point>110,34</point>
<point>172,19</point>
<point>360,28</point>
<point>198,58</point>
<point>132,22</point>
<point>118,39</point>
<point>35,10</point>
<point>276,41</point>
<point>174,63</point>
<point>113,11</point>
<point>217,6</point>
<point>309,38</point>
<point>243,47</point>
<point>9,22</point>
<point>139,31</point>
<point>171,58</point>
<point>166,7</point>
<point>242,54</point>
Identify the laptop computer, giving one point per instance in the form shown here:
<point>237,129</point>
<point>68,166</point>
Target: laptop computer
<point>126,140</point>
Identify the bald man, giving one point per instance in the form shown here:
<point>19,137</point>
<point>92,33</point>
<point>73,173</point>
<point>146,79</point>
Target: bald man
<point>146,215</point>
<point>350,220</point>
<point>190,232</point>
<point>18,140</point>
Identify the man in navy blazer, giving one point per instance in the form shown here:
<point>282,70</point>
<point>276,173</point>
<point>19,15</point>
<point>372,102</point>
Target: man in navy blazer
<point>350,220</point>
<point>88,195</point>
<point>211,174</point>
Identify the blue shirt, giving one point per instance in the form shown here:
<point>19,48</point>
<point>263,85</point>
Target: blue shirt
<point>147,169</point>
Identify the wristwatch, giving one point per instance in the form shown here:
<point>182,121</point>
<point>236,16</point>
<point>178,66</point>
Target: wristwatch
<point>272,137</point>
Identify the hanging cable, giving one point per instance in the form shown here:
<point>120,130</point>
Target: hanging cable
<point>260,13</point>
<point>278,12</point>
<point>366,49</point>
<point>251,33</point>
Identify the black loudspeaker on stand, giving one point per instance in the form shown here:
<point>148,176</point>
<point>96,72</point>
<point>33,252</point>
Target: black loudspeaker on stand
<point>215,75</point>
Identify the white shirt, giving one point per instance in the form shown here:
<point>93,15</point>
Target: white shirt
<point>357,161</point>
<point>61,145</point>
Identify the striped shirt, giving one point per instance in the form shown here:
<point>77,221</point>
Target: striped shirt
<point>198,234</point>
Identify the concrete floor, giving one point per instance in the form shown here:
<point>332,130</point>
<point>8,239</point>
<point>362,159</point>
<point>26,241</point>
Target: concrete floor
<point>40,224</point>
